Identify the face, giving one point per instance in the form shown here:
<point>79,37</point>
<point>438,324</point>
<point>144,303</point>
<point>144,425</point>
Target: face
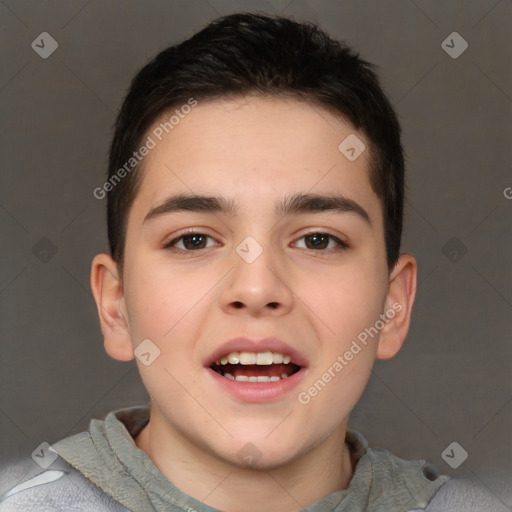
<point>217,290</point>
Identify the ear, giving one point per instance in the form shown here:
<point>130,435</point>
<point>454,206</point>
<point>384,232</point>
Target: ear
<point>107,289</point>
<point>399,302</point>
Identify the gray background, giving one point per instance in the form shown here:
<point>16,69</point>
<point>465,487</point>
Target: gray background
<point>451,381</point>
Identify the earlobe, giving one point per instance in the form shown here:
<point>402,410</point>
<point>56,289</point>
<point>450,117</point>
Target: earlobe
<point>108,293</point>
<point>399,303</point>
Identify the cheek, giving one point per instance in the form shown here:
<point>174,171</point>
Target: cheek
<point>160,298</point>
<point>165,307</point>
<point>346,303</point>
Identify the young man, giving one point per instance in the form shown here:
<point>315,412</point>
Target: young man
<point>255,200</point>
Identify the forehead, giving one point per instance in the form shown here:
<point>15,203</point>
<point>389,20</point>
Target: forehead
<point>254,148</point>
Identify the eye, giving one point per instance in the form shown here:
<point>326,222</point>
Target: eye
<point>190,240</point>
<point>317,241</point>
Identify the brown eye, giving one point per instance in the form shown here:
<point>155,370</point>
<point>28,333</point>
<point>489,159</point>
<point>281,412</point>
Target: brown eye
<point>190,242</point>
<point>320,241</point>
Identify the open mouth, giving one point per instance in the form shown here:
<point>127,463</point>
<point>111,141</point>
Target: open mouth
<point>255,366</point>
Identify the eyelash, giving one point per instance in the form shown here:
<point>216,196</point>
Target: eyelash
<point>341,245</point>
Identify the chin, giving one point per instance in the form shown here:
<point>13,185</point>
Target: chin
<point>251,458</point>
<point>261,454</point>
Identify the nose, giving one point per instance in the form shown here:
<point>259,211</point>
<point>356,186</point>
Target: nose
<point>257,284</point>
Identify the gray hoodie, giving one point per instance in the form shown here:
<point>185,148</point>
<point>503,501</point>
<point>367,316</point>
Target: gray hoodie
<point>102,470</point>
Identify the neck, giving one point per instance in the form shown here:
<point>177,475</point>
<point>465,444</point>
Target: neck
<point>289,487</point>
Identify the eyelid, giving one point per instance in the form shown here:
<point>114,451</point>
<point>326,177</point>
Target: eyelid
<point>186,232</point>
<point>341,244</point>
<point>324,231</point>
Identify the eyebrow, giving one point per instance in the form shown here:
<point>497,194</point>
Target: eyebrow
<point>290,205</point>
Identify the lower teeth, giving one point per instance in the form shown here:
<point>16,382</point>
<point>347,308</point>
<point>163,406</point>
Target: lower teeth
<point>264,378</point>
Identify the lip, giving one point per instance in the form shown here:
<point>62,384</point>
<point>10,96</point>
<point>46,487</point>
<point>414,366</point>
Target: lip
<point>257,392</point>
<point>244,344</point>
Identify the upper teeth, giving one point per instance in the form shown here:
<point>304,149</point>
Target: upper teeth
<point>262,358</point>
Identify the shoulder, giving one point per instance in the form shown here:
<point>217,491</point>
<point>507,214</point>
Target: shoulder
<point>459,495</point>
<point>418,486</point>
<point>26,486</point>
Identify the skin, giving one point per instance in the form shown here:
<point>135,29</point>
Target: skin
<point>256,151</point>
